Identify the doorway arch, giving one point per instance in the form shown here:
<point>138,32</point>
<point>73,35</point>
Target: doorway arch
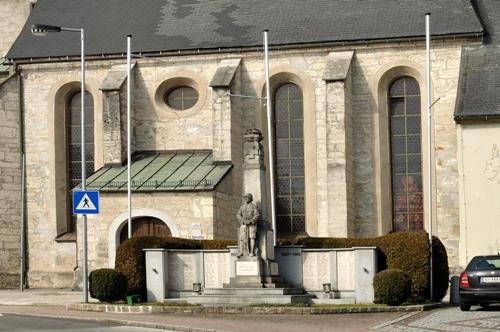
<point>145,226</point>
<point>120,223</point>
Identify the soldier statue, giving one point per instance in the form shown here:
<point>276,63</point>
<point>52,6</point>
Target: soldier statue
<point>248,216</point>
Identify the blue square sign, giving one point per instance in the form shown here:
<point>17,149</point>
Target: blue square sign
<point>85,202</point>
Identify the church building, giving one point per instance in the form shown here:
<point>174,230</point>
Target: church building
<point>349,123</point>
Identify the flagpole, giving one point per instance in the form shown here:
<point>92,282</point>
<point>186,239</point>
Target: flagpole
<point>270,136</point>
<point>129,184</point>
<point>430,150</point>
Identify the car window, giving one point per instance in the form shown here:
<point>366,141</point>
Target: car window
<point>486,264</point>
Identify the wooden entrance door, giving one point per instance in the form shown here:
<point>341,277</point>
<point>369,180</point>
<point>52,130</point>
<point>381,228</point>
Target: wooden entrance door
<point>145,226</point>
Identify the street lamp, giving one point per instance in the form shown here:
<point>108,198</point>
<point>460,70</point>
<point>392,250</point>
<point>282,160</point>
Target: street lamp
<point>42,30</point>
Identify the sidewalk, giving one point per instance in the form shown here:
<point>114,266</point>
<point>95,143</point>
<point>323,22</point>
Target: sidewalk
<point>52,303</point>
<point>58,297</point>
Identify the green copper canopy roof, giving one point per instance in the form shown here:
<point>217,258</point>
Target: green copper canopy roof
<point>162,171</point>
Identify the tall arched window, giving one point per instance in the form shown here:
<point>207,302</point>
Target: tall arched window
<point>74,144</point>
<point>289,156</point>
<point>406,155</point>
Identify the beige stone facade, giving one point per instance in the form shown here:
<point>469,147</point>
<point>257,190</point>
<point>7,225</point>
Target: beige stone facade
<point>346,139</point>
<point>10,183</point>
<point>13,14</point>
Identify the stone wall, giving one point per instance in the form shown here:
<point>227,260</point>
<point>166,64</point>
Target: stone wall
<point>13,15</point>
<point>10,183</point>
<point>159,128</point>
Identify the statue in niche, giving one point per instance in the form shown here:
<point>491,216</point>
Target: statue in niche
<point>248,216</point>
<point>252,148</point>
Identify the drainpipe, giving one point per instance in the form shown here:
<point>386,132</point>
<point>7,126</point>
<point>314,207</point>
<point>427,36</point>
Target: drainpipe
<point>23,264</point>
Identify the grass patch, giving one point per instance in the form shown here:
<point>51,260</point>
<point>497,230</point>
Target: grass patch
<point>300,305</point>
<point>350,305</point>
<point>169,304</point>
<point>305,305</point>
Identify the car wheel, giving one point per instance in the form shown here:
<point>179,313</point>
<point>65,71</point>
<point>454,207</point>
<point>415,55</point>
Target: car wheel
<point>484,305</point>
<point>464,306</point>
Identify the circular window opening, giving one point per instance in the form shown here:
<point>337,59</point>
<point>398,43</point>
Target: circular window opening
<point>181,98</point>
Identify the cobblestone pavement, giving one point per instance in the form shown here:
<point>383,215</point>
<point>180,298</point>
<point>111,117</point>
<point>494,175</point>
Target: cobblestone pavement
<point>449,319</point>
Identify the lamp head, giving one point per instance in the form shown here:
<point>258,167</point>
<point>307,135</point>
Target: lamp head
<point>42,29</point>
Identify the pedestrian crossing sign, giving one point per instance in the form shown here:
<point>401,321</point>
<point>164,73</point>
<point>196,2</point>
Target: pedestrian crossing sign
<point>85,202</point>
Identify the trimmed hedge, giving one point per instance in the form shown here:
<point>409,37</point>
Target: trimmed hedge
<point>391,287</point>
<point>131,259</point>
<point>107,285</point>
<point>406,251</point>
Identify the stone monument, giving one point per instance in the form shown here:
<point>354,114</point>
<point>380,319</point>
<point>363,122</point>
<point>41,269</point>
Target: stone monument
<point>254,265</point>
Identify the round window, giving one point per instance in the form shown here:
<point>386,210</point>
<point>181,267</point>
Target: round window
<point>181,98</point>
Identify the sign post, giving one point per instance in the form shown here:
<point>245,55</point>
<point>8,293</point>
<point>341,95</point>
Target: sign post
<point>85,202</point>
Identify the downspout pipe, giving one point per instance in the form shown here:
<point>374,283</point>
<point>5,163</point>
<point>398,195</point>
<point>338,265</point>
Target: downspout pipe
<point>22,272</point>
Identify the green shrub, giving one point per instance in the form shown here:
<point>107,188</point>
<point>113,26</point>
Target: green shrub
<point>131,260</point>
<point>391,287</point>
<point>107,285</point>
<point>406,251</point>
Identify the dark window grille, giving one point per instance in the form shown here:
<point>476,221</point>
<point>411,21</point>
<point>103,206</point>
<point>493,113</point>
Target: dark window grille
<point>406,155</point>
<point>74,144</point>
<point>181,98</point>
<point>289,156</point>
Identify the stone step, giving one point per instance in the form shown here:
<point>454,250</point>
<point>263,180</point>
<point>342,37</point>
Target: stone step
<point>247,299</point>
<point>253,291</point>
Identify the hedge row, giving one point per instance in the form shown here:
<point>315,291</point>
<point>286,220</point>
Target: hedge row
<point>131,261</point>
<point>406,251</point>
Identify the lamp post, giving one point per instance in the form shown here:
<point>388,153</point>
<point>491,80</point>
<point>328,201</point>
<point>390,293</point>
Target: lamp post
<point>42,30</point>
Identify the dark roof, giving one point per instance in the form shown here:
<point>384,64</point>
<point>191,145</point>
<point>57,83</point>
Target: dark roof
<point>171,25</point>
<point>162,171</point>
<point>489,14</point>
<point>478,96</point>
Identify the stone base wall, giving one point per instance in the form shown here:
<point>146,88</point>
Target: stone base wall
<point>348,271</point>
<point>9,280</point>
<point>52,266</point>
<point>10,184</point>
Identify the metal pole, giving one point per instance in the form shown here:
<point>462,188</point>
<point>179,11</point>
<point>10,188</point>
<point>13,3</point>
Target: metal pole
<point>429,148</point>
<point>129,185</point>
<point>270,137</point>
<point>23,250</point>
<point>82,115</point>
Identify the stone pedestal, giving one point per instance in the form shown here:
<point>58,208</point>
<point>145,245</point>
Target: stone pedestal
<point>254,272</point>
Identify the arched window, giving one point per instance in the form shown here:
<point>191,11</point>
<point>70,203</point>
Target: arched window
<point>406,155</point>
<point>289,156</point>
<point>74,144</point>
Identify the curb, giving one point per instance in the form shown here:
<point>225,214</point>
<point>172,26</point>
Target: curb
<point>110,308</point>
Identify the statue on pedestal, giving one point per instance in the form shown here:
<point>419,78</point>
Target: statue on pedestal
<point>248,216</point>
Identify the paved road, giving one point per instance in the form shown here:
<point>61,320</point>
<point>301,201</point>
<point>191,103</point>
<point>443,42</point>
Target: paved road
<point>12,323</point>
<point>221,323</point>
<point>450,319</point>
